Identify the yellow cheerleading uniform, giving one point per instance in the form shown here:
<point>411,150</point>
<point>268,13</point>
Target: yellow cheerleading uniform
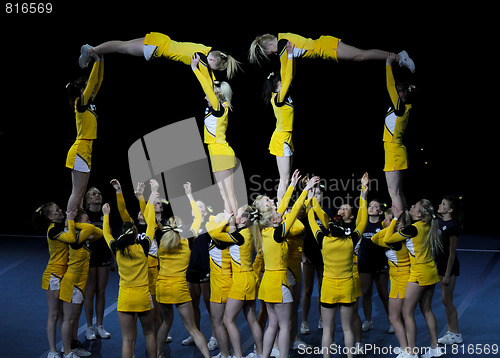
<point>295,241</point>
<point>275,251</point>
<point>86,119</point>
<point>399,261</point>
<point>325,47</point>
<point>58,241</point>
<point>396,121</point>
<point>171,286</point>
<point>221,274</point>
<point>244,279</point>
<point>284,113</point>
<point>173,50</point>
<point>422,266</point>
<point>221,154</point>
<point>338,282</point>
<point>153,248</point>
<point>133,294</point>
<point>78,261</point>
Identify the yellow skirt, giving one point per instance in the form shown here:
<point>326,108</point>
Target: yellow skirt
<point>279,141</point>
<point>56,271</point>
<point>338,290</point>
<point>220,285</point>
<point>424,274</point>
<point>172,290</point>
<point>173,50</point>
<point>134,299</point>
<point>396,157</point>
<point>270,286</point>
<point>326,48</point>
<point>399,280</point>
<point>81,148</point>
<point>221,156</point>
<point>244,286</point>
<point>152,277</point>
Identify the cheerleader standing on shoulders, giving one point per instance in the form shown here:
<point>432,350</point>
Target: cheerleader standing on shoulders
<point>338,288</point>
<point>269,232</point>
<point>82,93</point>
<point>134,299</point>
<point>396,120</point>
<point>218,96</point>
<point>447,263</point>
<point>174,252</point>
<point>422,237</point>
<point>276,92</point>
<point>58,240</point>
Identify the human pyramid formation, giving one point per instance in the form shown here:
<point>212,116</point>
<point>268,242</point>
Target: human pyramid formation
<point>157,258</point>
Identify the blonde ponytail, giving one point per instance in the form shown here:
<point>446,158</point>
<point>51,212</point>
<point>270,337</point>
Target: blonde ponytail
<point>428,216</point>
<point>227,62</point>
<point>258,48</point>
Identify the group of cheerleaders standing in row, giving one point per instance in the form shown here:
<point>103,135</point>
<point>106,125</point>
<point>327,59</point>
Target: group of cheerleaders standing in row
<point>153,254</point>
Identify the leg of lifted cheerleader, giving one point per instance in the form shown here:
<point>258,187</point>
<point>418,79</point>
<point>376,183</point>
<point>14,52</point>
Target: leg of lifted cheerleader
<point>224,180</point>
<point>80,181</point>
<point>395,187</point>
<point>132,47</point>
<point>284,168</point>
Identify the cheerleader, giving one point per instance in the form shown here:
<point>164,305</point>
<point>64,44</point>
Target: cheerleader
<point>338,283</point>
<point>174,252</point>
<point>269,231</point>
<point>58,238</point>
<point>75,279</point>
<point>448,266</point>
<point>276,92</point>
<point>82,93</point>
<point>396,120</point>
<point>134,299</point>
<point>399,271</point>
<point>326,47</point>
<point>242,292</point>
<point>218,96</point>
<point>102,261</point>
<point>422,237</point>
<point>156,45</point>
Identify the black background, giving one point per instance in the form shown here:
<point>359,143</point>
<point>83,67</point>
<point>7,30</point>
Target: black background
<point>340,108</point>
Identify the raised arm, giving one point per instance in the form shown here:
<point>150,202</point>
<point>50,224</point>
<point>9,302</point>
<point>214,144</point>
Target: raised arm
<point>120,201</point>
<point>195,226</point>
<point>288,194</point>
<point>94,82</point>
<point>391,83</point>
<point>287,74</point>
<point>206,84</point>
<point>110,240</point>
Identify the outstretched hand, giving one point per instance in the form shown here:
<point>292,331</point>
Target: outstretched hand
<point>106,209</point>
<point>312,182</point>
<point>295,178</point>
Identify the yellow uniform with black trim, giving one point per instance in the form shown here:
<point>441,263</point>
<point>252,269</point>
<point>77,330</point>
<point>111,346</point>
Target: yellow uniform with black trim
<point>338,283</point>
<point>422,266</point>
<point>295,240</point>
<point>133,294</point>
<point>78,261</point>
<point>399,261</point>
<point>396,120</point>
<point>325,47</point>
<point>221,273</point>
<point>171,286</point>
<point>221,154</point>
<point>275,252</point>
<point>58,241</point>
<point>86,119</point>
<point>284,112</point>
<point>244,279</point>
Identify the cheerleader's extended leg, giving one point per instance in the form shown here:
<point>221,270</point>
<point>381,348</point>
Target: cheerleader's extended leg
<point>395,187</point>
<point>80,181</point>
<point>284,168</point>
<point>132,47</point>
<point>224,180</point>
<point>351,53</point>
